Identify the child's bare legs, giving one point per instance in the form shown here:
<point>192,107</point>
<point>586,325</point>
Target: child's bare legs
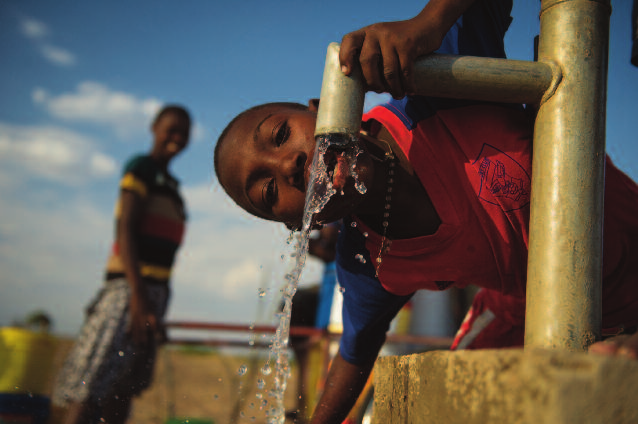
<point>116,410</point>
<point>625,345</point>
<point>79,413</point>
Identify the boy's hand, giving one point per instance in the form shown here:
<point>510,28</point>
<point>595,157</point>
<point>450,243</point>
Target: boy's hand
<point>624,345</point>
<point>386,52</point>
<point>143,324</point>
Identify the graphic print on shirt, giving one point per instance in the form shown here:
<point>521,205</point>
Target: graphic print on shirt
<point>503,180</point>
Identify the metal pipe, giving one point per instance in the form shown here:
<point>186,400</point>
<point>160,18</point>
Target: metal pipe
<point>483,78</point>
<point>437,75</point>
<point>565,249</point>
<point>341,99</point>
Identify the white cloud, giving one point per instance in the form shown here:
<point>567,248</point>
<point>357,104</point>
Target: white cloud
<point>33,28</point>
<point>241,278</point>
<point>39,33</point>
<point>102,165</point>
<point>58,55</point>
<point>52,251</point>
<point>53,153</point>
<point>95,103</point>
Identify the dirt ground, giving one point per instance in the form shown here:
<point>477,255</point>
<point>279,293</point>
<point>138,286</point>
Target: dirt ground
<point>203,386</point>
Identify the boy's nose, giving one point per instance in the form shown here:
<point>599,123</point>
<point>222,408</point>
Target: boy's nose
<point>293,169</point>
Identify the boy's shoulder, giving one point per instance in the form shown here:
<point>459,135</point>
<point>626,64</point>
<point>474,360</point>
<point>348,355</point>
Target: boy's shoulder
<point>140,165</point>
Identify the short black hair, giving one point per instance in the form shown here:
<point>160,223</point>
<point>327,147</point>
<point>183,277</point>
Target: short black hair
<point>231,124</point>
<point>172,109</point>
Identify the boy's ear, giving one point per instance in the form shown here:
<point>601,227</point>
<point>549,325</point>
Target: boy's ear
<point>313,105</point>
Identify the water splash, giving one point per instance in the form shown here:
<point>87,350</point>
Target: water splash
<point>320,190</point>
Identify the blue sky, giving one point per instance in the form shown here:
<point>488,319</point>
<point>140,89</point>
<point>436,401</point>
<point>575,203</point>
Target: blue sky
<point>80,82</point>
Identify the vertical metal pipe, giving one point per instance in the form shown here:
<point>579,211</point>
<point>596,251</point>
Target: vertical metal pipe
<point>341,99</point>
<point>565,249</point>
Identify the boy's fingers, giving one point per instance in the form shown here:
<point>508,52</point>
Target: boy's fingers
<point>392,73</point>
<point>407,72</point>
<point>350,49</point>
<point>603,348</point>
<point>623,345</point>
<point>371,62</point>
<point>629,347</point>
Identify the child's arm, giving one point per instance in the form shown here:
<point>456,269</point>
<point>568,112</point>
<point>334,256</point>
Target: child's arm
<point>624,345</point>
<point>344,383</point>
<point>324,246</point>
<point>387,50</point>
<point>142,320</point>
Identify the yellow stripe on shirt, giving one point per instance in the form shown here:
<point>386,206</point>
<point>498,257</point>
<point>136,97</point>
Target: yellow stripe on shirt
<point>156,272</point>
<point>132,183</point>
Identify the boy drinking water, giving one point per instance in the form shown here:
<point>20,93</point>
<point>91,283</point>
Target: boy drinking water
<point>446,201</point>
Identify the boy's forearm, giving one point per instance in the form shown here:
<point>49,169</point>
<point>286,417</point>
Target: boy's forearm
<point>344,384</point>
<point>441,14</point>
<point>127,223</point>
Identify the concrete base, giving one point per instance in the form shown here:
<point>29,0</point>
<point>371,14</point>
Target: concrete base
<point>505,386</point>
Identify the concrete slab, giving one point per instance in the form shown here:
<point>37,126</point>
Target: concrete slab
<point>505,386</point>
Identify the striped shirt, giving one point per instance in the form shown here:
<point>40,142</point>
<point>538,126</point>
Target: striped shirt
<point>162,222</point>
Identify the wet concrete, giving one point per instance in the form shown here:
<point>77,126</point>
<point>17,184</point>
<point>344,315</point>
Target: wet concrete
<point>505,386</point>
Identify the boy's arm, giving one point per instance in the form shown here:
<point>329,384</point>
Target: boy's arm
<point>142,320</point>
<point>344,384</point>
<point>324,246</point>
<point>387,50</point>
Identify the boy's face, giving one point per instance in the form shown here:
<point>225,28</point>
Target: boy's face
<point>264,163</point>
<point>171,134</point>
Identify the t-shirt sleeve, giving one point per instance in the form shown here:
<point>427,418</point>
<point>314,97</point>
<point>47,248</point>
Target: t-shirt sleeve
<point>137,175</point>
<point>368,308</point>
<point>480,31</point>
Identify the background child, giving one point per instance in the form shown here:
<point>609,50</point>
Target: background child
<point>114,355</point>
<point>446,201</point>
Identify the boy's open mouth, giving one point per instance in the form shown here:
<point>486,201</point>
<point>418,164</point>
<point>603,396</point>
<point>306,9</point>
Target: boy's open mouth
<point>337,168</point>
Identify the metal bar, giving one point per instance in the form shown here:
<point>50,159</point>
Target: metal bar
<point>298,331</point>
<point>565,249</point>
<point>483,78</point>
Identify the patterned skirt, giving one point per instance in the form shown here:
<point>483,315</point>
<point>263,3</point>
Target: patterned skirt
<point>104,362</point>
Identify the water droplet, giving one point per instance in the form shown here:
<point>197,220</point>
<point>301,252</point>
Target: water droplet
<point>215,396</point>
<point>365,234</point>
<point>261,383</point>
<point>242,370</point>
<point>342,289</point>
<point>353,224</point>
<point>360,258</point>
<point>262,292</point>
<point>266,370</point>
<point>121,353</point>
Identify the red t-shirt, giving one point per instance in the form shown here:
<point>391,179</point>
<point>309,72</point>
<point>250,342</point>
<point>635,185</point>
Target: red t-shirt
<point>475,164</point>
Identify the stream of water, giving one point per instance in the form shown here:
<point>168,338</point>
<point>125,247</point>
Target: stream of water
<point>320,190</point>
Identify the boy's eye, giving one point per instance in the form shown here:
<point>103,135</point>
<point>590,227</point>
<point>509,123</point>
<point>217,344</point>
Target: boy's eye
<point>269,193</point>
<point>281,133</point>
